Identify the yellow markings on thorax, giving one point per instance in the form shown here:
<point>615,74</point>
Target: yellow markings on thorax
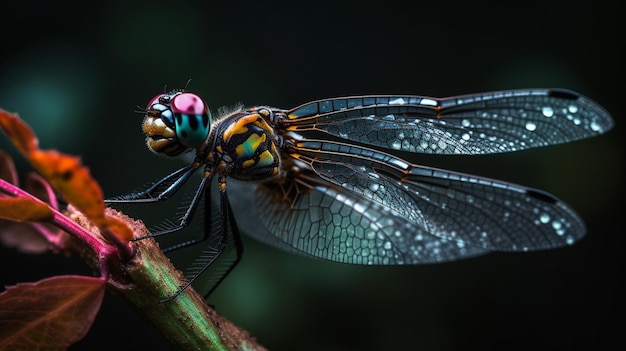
<point>241,125</point>
<point>266,158</point>
<point>248,163</point>
<point>254,147</point>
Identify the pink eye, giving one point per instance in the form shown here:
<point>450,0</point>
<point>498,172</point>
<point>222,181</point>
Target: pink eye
<point>188,103</point>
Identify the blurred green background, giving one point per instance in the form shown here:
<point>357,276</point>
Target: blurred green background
<point>77,72</point>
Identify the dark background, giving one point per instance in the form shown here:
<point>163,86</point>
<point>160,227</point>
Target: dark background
<point>77,72</point>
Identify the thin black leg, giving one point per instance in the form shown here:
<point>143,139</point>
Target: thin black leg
<point>186,218</point>
<point>161,190</point>
<point>228,228</point>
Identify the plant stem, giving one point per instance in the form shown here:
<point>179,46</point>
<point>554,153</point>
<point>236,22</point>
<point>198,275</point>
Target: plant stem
<point>186,320</point>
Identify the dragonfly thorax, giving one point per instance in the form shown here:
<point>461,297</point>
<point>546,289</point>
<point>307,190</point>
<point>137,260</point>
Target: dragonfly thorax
<point>176,122</point>
<point>248,145</point>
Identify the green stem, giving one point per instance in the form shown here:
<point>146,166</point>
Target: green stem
<point>187,321</point>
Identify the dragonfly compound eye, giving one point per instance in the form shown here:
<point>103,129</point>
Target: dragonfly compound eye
<point>192,119</point>
<point>176,122</point>
<point>159,127</point>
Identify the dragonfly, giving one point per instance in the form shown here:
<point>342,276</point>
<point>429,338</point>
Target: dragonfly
<point>326,179</point>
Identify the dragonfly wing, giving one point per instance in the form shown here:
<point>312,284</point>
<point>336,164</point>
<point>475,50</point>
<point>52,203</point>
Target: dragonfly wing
<point>330,222</point>
<point>357,205</point>
<point>482,123</point>
<point>468,210</point>
<point>350,203</point>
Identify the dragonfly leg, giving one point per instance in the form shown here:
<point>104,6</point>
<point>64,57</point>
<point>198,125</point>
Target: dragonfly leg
<point>161,190</point>
<point>228,231</point>
<point>186,217</point>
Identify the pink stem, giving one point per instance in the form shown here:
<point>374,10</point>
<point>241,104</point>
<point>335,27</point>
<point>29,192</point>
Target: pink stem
<point>102,249</point>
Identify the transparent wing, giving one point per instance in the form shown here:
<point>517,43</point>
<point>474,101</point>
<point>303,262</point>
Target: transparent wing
<point>357,205</point>
<point>470,124</point>
<point>331,223</point>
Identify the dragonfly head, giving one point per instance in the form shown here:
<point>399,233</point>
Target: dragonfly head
<point>176,122</point>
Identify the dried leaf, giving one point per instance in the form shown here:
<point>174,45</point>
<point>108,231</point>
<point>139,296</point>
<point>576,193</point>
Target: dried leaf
<point>50,314</point>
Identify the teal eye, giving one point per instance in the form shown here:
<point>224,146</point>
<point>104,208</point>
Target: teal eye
<point>192,119</point>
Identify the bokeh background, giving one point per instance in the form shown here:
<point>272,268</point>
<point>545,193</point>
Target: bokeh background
<point>76,72</point>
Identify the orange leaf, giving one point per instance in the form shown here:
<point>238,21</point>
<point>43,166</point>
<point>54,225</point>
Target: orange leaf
<point>73,181</point>
<point>65,173</point>
<point>19,132</point>
<point>50,314</point>
<point>119,228</point>
<point>24,210</point>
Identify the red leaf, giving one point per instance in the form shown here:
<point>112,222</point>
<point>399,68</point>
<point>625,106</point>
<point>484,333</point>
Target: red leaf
<point>25,237</point>
<point>50,314</point>
<point>39,187</point>
<point>7,168</point>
